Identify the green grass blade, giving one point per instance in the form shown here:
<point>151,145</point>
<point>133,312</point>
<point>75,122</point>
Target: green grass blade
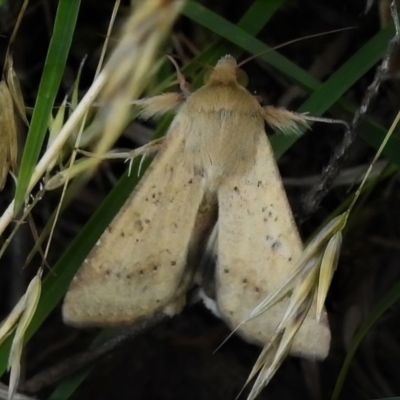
<point>68,386</point>
<point>238,36</point>
<point>388,300</point>
<point>64,27</point>
<point>374,134</point>
<point>256,17</point>
<point>258,14</point>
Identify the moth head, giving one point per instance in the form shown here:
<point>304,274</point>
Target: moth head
<point>226,72</point>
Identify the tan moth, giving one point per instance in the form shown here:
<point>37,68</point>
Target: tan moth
<point>215,163</point>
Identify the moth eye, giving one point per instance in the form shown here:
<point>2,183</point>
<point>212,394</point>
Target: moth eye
<point>242,77</point>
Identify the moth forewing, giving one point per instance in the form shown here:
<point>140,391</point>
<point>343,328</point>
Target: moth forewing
<point>138,266</point>
<point>256,221</point>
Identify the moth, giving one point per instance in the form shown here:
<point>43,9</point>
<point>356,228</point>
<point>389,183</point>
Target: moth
<point>210,211</point>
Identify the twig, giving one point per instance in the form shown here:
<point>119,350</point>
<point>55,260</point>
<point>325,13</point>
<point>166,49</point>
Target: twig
<point>75,363</point>
<point>315,195</point>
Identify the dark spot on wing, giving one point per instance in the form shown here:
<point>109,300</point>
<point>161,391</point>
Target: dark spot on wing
<point>139,225</point>
<point>108,272</point>
<point>173,263</point>
<point>226,270</point>
<point>198,171</point>
<point>122,234</point>
<point>276,245</point>
<point>236,189</point>
<point>155,268</point>
<point>141,272</point>
<point>147,221</point>
<point>244,281</point>
<point>259,183</point>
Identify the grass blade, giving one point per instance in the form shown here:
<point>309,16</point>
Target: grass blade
<point>64,27</point>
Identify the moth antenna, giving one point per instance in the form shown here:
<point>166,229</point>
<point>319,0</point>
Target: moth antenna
<point>183,84</point>
<point>291,42</point>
